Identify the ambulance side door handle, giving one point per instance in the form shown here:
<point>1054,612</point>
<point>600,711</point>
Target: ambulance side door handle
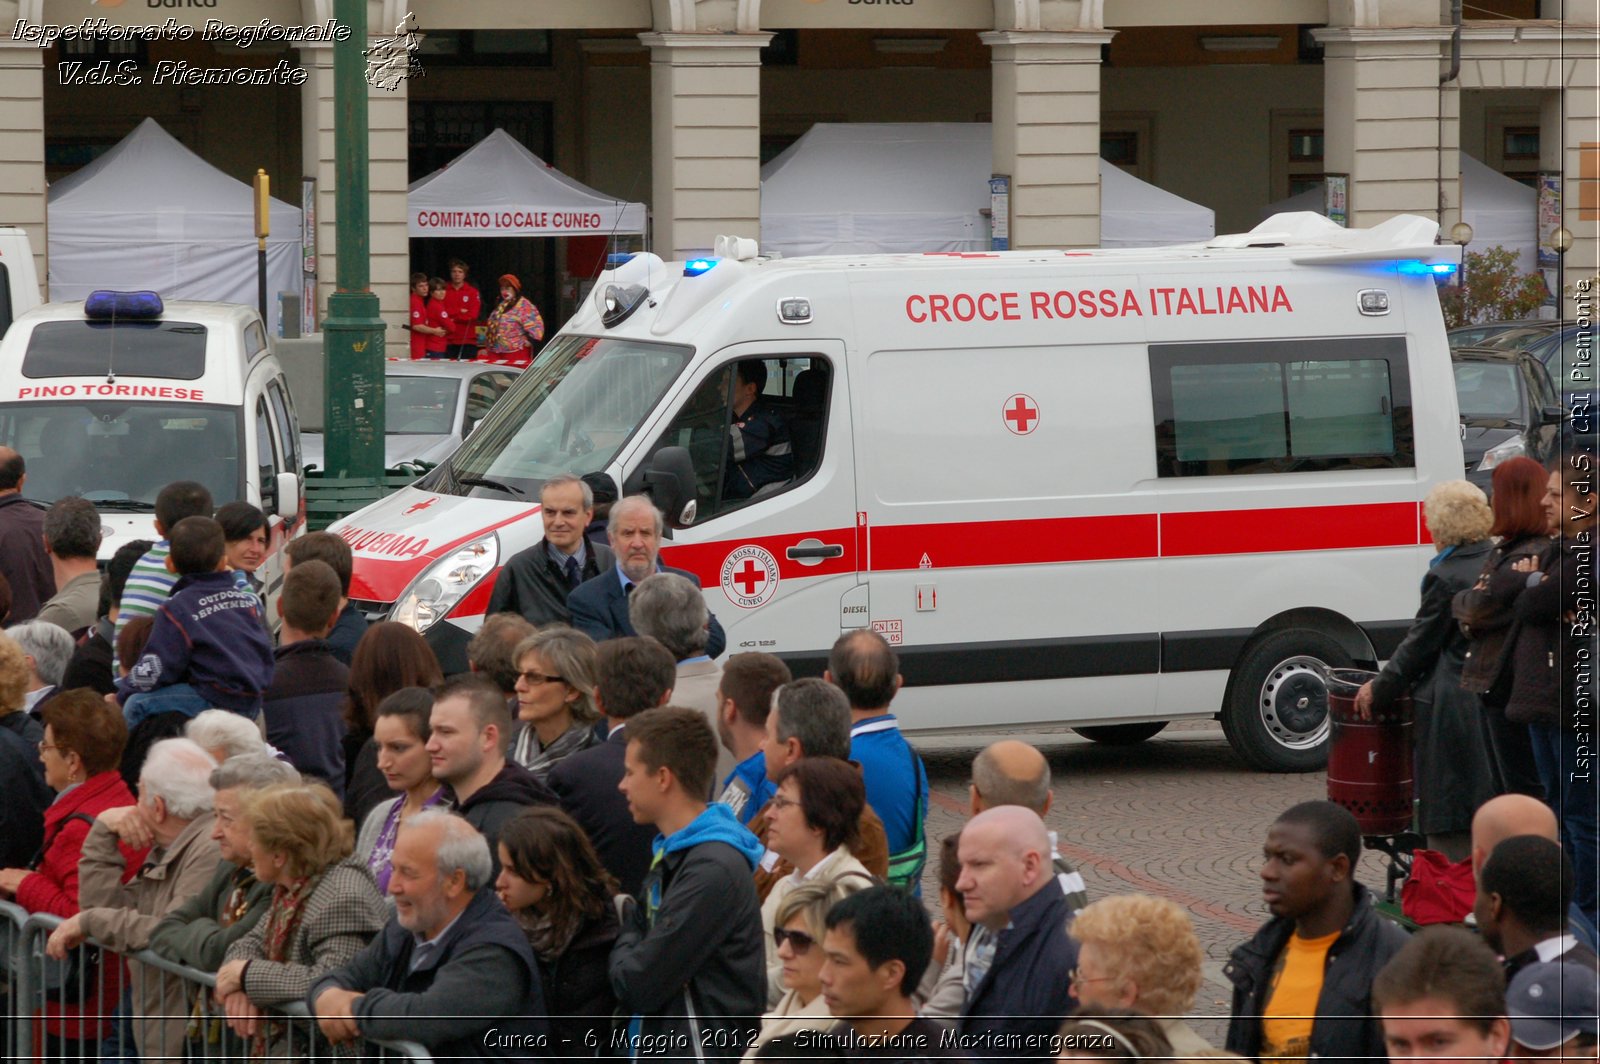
<point>813,551</point>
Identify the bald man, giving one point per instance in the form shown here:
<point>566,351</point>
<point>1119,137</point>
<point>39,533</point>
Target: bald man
<point>23,561</point>
<point>1019,994</point>
<point>1511,815</point>
<point>1011,772</point>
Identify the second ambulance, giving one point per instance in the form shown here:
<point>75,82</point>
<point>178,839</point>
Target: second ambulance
<point>1105,489</point>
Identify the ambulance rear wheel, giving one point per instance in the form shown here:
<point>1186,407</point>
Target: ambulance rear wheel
<point>1121,734</point>
<point>1276,717</point>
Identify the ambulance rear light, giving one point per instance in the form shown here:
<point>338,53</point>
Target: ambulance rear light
<point>619,301</point>
<point>123,306</point>
<point>695,267</point>
<point>1373,302</point>
<point>794,310</point>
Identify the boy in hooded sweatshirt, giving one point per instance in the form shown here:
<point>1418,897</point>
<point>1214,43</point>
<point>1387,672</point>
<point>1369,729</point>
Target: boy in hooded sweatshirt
<point>209,646</point>
<point>689,964</point>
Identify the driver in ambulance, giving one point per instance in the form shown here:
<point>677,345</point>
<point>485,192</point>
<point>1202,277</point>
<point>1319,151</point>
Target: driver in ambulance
<point>759,452</point>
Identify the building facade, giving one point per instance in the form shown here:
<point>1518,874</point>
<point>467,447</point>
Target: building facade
<point>1233,104</point>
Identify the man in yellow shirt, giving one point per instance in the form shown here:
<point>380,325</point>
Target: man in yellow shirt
<point>1302,985</point>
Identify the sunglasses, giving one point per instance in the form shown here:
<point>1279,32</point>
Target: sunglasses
<point>798,941</point>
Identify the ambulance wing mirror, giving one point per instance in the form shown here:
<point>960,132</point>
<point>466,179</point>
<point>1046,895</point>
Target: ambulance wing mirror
<point>669,480</point>
<point>289,496</point>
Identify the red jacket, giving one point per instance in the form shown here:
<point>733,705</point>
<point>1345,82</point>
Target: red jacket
<point>463,305</point>
<point>439,318</point>
<point>53,888</point>
<point>419,316</point>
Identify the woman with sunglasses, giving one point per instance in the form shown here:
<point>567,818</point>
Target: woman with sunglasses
<point>798,938</point>
<point>555,698</point>
<point>553,883</point>
<point>813,823</point>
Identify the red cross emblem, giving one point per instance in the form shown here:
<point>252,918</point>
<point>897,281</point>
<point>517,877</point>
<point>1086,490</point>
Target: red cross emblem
<point>750,577</point>
<point>1021,414</point>
<point>420,506</point>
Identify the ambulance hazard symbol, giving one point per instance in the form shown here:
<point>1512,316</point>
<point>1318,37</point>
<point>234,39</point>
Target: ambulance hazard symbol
<point>749,576</point>
<point>1020,414</point>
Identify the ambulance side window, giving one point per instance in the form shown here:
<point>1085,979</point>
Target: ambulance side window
<point>287,431</point>
<point>784,438</point>
<point>1281,406</point>
<point>266,458</point>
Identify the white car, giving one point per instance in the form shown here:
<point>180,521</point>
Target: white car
<point>429,407</point>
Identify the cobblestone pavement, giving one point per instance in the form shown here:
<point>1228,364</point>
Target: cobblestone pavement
<point>1179,816</point>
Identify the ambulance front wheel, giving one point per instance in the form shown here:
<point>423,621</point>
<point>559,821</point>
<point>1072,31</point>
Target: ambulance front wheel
<point>1276,716</point>
<point>1121,734</point>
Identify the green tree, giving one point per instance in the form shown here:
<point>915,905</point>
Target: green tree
<point>1491,289</point>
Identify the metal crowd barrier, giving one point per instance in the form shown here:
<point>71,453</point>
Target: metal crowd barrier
<point>42,998</point>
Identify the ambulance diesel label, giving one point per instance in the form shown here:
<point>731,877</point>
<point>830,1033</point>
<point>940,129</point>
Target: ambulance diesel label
<point>1096,303</point>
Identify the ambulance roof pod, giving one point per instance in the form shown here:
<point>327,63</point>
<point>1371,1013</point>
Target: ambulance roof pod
<point>1403,237</point>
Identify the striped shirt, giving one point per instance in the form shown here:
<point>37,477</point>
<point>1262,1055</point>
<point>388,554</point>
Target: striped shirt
<point>149,585</point>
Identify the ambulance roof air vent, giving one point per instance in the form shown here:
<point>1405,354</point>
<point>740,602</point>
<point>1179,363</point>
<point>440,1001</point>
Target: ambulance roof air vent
<point>737,248</point>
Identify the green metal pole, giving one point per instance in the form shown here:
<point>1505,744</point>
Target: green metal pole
<point>353,344</point>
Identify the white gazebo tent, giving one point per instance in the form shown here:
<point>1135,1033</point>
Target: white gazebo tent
<point>498,188</point>
<point>1502,212</point>
<point>913,187</point>
<point>151,214</point>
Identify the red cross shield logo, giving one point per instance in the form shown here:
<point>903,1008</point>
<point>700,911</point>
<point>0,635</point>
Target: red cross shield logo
<point>749,576</point>
<point>1020,414</point>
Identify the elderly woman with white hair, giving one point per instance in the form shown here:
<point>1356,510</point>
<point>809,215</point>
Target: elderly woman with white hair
<point>1453,769</point>
<point>48,648</point>
<point>224,734</point>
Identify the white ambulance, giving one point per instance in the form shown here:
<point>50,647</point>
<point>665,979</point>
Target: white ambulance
<point>1105,489</point>
<point>19,281</point>
<point>114,397</point>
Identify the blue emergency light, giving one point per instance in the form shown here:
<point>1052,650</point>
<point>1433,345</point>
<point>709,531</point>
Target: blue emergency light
<point>695,267</point>
<point>123,306</point>
<point>619,258</point>
<point>1413,266</point>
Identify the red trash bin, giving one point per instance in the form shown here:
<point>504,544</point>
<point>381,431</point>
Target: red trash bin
<point>1369,761</point>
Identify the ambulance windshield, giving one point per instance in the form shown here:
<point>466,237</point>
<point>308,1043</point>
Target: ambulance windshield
<point>571,412</point>
<point>119,455</point>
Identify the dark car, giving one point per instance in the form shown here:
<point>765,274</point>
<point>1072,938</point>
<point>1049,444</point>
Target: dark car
<point>1570,357</point>
<point>1509,408</point>
<point>1519,333</point>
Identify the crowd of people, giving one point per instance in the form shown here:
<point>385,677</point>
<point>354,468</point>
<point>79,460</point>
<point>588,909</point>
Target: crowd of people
<point>445,316</point>
<point>601,841</point>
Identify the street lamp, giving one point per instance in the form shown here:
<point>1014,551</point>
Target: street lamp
<point>1461,236</point>
<point>1561,242</point>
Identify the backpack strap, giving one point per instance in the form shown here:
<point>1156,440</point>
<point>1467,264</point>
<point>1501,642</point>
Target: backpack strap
<point>39,857</point>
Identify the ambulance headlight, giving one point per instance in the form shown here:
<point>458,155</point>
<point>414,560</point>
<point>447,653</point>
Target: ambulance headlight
<point>1501,452</point>
<point>440,587</point>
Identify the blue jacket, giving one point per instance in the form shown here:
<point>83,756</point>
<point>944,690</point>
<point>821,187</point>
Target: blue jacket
<point>1025,990</point>
<point>482,980</point>
<point>759,451</point>
<point>690,960</point>
<point>599,609</point>
<point>208,634</point>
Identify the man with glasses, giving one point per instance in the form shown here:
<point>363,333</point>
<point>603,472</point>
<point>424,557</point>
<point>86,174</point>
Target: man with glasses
<point>1018,993</point>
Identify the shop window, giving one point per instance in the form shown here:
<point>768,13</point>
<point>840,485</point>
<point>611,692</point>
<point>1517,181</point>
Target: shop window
<point>1520,142</point>
<point>1305,145</point>
<point>1120,149</point>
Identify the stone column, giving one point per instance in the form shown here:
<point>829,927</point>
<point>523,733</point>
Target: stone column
<point>1388,124</point>
<point>1047,132</point>
<point>387,166</point>
<point>22,183</point>
<point>705,105</point>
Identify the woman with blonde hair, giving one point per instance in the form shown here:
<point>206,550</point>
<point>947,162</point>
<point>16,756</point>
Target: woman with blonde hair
<point>798,928</point>
<point>1140,952</point>
<point>324,909</point>
<point>1454,768</point>
<point>555,698</point>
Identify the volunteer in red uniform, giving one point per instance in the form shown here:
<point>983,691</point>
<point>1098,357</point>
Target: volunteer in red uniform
<point>421,331</point>
<point>463,304</point>
<point>438,345</point>
<point>514,325</point>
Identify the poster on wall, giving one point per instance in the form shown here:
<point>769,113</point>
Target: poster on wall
<point>308,255</point>
<point>1000,212</point>
<point>1549,216</point>
<point>1337,202</point>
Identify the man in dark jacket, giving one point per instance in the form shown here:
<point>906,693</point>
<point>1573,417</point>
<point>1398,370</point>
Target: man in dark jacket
<point>689,965</point>
<point>27,797</point>
<point>536,582</point>
<point>451,969</point>
<point>759,450</point>
<point>1018,994</point>
<point>1303,985</point>
<point>23,561</point>
<point>1524,892</point>
<point>304,706</point>
<point>470,727</point>
<point>633,674</point>
<point>600,605</point>
<point>326,547</point>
